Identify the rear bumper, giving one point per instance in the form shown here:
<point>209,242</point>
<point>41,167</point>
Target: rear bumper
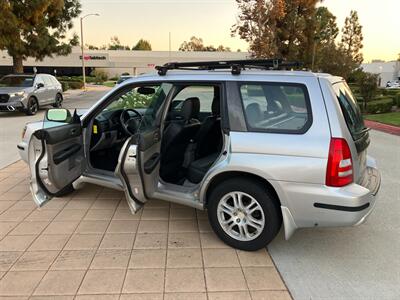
<point>310,205</point>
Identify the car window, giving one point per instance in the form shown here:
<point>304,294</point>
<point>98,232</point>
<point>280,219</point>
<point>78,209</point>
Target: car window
<point>276,107</point>
<point>350,109</point>
<point>204,93</point>
<point>146,99</point>
<point>54,80</point>
<point>47,81</point>
<point>39,79</point>
<point>16,81</point>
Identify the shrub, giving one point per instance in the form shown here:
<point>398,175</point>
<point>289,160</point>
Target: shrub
<point>65,86</point>
<point>100,76</point>
<point>396,100</point>
<point>75,85</point>
<point>380,106</point>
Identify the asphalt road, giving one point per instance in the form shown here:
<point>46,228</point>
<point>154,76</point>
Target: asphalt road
<point>350,263</point>
<point>11,124</point>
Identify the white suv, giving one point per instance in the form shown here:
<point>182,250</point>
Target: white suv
<point>254,147</point>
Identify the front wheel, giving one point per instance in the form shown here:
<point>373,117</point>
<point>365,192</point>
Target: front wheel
<point>32,107</point>
<point>244,214</point>
<point>58,101</point>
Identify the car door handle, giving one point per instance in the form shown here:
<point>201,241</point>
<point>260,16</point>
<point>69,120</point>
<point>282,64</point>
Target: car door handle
<point>73,131</point>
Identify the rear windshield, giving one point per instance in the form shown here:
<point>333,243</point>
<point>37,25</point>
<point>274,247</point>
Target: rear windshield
<point>16,81</point>
<point>350,109</point>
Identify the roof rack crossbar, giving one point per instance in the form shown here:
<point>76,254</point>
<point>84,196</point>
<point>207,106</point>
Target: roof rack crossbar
<point>235,65</point>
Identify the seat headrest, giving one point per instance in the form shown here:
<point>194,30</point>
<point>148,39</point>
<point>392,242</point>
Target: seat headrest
<point>190,108</point>
<point>215,106</point>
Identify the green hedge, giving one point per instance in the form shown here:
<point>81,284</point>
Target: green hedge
<point>74,85</point>
<point>65,86</point>
<point>89,79</point>
<point>387,92</point>
<point>380,106</point>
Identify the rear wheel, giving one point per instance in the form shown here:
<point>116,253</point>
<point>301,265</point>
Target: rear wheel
<point>244,214</point>
<point>58,101</point>
<point>32,107</point>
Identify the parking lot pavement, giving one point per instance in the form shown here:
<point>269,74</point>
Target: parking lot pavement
<point>350,263</point>
<point>89,245</point>
<point>11,124</point>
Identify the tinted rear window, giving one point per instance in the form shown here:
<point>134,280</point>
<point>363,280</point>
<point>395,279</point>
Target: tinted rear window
<point>276,107</point>
<point>350,109</point>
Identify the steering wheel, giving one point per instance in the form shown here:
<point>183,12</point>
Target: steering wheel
<point>130,124</point>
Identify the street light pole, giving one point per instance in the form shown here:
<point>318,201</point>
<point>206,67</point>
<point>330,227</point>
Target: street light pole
<point>82,51</point>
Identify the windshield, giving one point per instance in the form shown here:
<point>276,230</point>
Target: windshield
<point>16,81</point>
<point>351,110</point>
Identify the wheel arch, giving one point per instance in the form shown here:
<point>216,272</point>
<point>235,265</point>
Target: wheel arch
<point>217,179</point>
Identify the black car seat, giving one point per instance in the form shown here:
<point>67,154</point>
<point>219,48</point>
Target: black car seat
<point>176,138</point>
<point>208,144</point>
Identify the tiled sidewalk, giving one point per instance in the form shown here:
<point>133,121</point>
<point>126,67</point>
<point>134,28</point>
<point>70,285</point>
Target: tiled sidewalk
<point>89,246</point>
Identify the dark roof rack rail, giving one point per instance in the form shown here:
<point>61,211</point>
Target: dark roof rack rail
<point>236,66</point>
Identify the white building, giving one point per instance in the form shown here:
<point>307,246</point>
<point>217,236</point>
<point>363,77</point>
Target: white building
<point>114,62</point>
<point>387,70</point>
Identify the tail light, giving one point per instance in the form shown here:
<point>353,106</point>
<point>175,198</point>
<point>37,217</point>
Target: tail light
<point>339,171</point>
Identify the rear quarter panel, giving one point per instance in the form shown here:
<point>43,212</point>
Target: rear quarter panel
<point>289,157</point>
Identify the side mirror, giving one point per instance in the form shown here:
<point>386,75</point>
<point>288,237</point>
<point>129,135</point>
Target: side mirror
<point>40,85</point>
<point>58,115</point>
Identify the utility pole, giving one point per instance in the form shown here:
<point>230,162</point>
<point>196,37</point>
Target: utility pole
<point>169,46</point>
<point>82,50</point>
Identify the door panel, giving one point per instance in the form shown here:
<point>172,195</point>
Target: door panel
<point>127,170</point>
<point>56,160</point>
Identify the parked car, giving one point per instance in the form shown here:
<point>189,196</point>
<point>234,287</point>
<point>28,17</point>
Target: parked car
<point>28,93</point>
<point>393,84</point>
<point>124,78</point>
<point>254,148</point>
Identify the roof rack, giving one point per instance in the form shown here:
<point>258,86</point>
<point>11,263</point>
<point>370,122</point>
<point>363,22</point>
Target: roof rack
<point>236,66</point>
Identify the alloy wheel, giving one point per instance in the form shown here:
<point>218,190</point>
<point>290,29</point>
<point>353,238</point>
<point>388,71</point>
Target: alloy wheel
<point>241,216</point>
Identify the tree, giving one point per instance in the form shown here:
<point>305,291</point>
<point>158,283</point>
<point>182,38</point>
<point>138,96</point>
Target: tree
<point>91,47</point>
<point>116,44</point>
<point>142,45</point>
<point>194,44</point>
<point>368,83</point>
<point>326,31</point>
<point>352,38</point>
<point>36,28</point>
<point>277,28</point>
<point>197,44</point>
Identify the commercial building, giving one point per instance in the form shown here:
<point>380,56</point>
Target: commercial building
<point>387,71</point>
<point>114,62</point>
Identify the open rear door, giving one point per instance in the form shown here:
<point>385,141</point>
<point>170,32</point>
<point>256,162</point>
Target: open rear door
<point>56,159</point>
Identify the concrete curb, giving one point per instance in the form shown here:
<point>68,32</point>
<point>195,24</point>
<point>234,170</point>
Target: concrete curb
<point>383,127</point>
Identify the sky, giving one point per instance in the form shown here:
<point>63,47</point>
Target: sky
<point>211,20</point>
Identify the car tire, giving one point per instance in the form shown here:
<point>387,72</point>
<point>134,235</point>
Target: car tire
<point>32,107</point>
<point>58,101</point>
<point>257,206</point>
<point>69,189</point>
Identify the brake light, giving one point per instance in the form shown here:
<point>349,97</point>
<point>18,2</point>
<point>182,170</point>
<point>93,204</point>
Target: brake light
<point>339,171</point>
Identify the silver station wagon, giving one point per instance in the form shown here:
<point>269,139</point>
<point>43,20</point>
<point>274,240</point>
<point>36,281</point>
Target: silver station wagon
<point>251,142</point>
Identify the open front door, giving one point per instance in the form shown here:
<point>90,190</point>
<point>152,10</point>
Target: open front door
<point>56,159</point>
